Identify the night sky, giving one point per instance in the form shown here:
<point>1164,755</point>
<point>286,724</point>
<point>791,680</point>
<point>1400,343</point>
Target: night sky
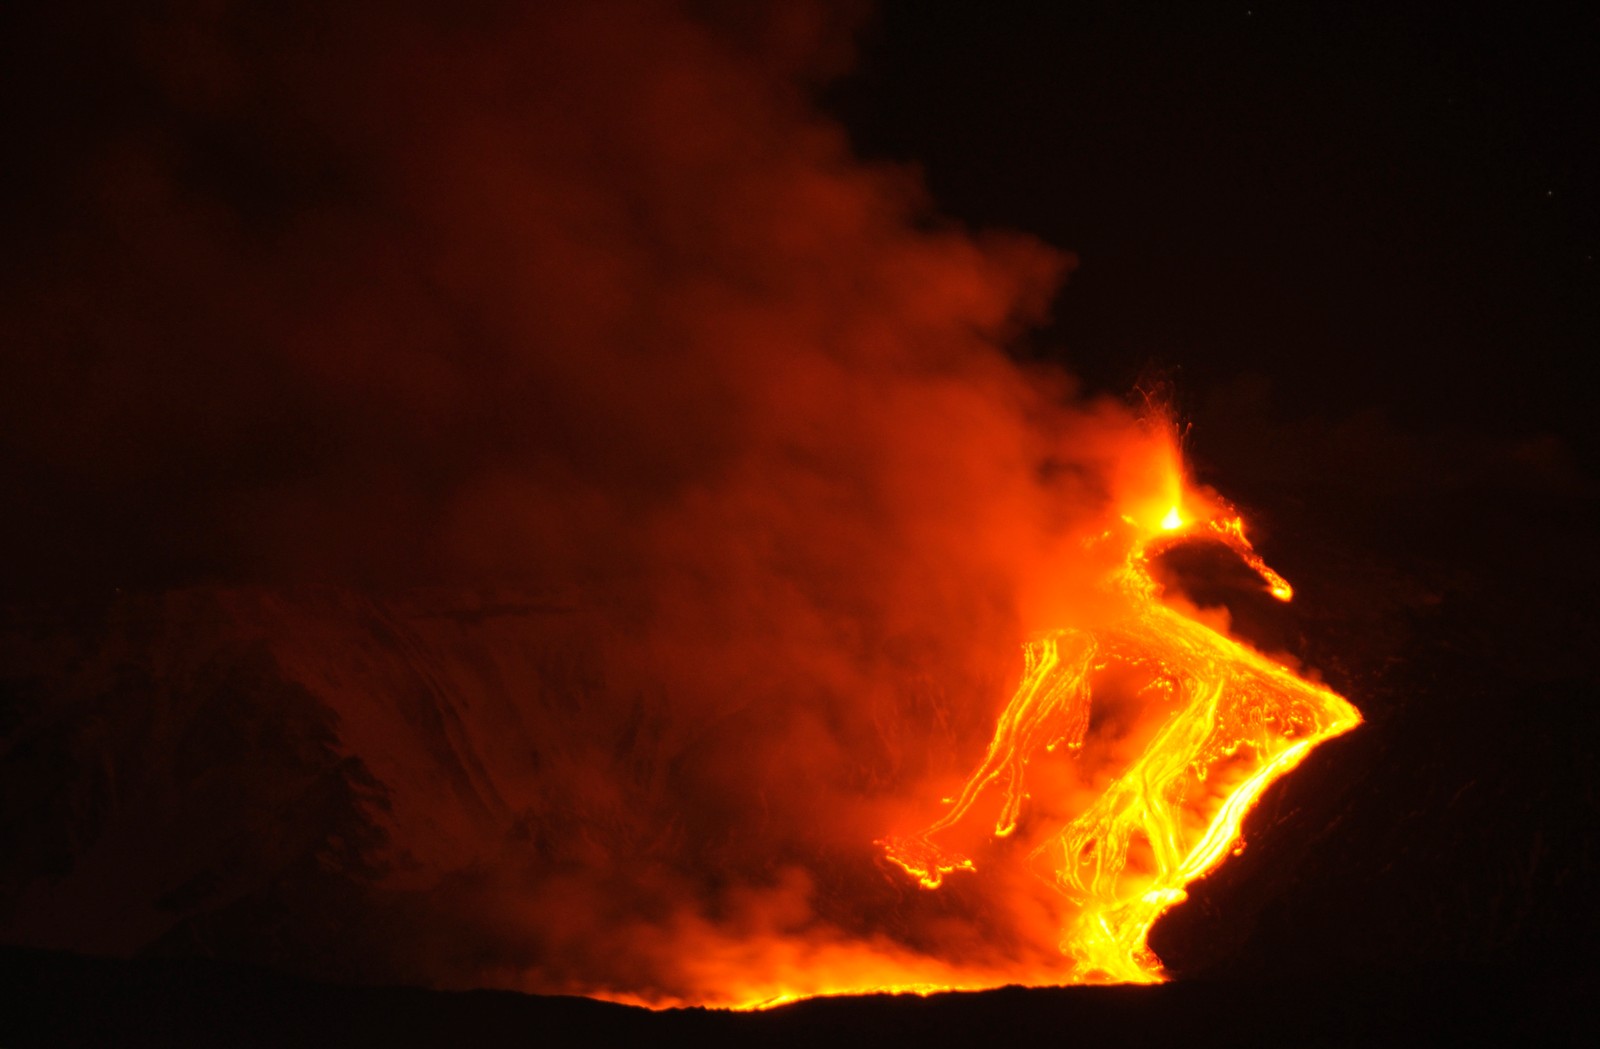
<point>648,314</point>
<point>1376,208</point>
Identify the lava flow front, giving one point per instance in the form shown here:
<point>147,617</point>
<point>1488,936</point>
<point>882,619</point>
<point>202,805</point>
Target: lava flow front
<point>1207,725</point>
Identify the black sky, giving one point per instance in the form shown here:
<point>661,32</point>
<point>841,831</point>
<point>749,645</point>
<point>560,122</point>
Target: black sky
<point>1373,208</point>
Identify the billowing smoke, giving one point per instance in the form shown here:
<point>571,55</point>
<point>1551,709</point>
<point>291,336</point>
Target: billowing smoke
<point>583,301</point>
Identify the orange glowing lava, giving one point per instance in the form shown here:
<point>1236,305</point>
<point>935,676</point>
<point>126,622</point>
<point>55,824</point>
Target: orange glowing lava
<point>1135,744</point>
<point>1225,722</point>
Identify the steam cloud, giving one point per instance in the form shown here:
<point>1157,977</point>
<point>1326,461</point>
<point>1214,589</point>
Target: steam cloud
<point>586,300</point>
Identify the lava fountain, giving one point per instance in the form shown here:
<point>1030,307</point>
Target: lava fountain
<point>1221,722</point>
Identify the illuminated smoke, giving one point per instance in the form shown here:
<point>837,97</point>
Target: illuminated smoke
<point>585,304</point>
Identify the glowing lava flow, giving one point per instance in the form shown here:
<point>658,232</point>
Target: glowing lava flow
<point>1234,722</point>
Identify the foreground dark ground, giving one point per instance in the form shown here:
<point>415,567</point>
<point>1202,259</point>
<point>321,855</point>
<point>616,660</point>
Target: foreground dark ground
<point>63,1000</point>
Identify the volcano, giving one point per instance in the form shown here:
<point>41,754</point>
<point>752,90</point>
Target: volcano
<point>268,823</point>
<point>582,517</point>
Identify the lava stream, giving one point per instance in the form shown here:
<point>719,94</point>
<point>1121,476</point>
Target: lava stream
<point>1234,722</point>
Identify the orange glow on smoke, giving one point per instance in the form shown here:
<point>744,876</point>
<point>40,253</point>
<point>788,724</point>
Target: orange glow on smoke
<point>1121,770</point>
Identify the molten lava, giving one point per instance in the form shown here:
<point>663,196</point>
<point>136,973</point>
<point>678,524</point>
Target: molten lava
<point>1121,770</point>
<point>1222,722</point>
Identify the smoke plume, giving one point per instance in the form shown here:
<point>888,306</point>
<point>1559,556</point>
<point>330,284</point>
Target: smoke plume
<point>587,301</point>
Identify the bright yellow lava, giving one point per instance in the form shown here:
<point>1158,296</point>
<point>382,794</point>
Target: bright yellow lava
<point>1235,722</point>
<point>1129,807</point>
